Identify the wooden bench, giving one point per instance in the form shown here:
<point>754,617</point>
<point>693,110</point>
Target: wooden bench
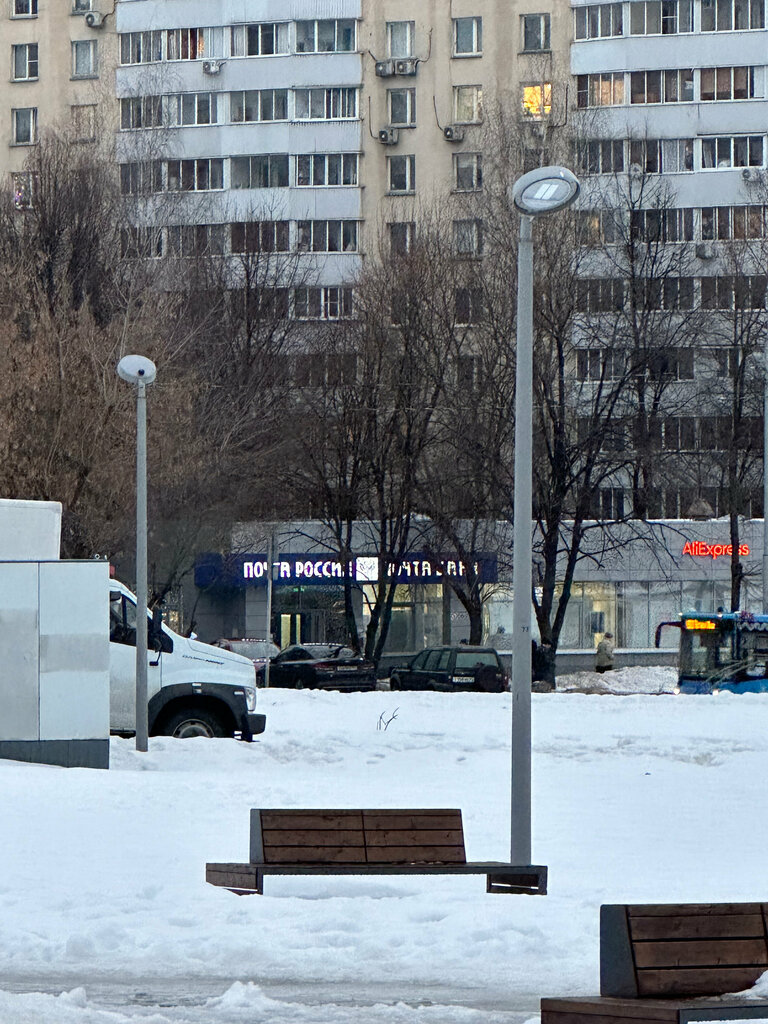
<point>365,842</point>
<point>660,962</point>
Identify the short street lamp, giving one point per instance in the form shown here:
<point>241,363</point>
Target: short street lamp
<point>541,191</point>
<point>140,371</point>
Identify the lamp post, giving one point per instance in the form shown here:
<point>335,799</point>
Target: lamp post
<point>765,475</point>
<point>140,371</point>
<point>541,191</point>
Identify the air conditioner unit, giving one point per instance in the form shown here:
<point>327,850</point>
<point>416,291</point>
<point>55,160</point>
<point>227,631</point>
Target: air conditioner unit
<point>212,67</point>
<point>406,66</point>
<point>94,19</point>
<point>388,136</point>
<point>453,133</point>
<point>635,171</point>
<point>385,68</point>
<point>706,250</point>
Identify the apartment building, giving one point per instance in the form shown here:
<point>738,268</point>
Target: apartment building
<point>61,60</point>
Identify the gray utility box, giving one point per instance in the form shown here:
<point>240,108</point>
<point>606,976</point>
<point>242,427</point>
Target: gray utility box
<point>54,662</point>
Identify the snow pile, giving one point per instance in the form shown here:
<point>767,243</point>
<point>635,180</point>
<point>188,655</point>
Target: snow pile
<point>652,679</point>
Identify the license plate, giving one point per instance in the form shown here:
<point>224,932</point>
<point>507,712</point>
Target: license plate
<point>463,679</point>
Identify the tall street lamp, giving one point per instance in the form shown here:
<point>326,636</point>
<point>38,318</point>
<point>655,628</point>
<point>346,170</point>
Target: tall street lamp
<point>765,474</point>
<point>541,191</point>
<point>140,371</point>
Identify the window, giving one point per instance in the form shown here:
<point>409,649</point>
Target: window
<point>325,36</point>
<point>262,171</point>
<point>661,17</point>
<point>319,169</point>
<point>325,104</point>
<point>195,175</point>
<point>141,243</point>
<point>598,21</point>
<point>731,83</point>
<point>671,363</point>
<point>194,43</point>
<point>83,122</point>
<point>467,37</point>
<point>24,121</point>
<point>82,6</point>
<point>468,172</point>
<point>600,90</point>
<point>141,47</point>
<point>260,236</point>
<point>192,108</point>
<point>24,60</point>
<point>534,29</point>
<point>335,303</point>
<point>196,240</point>
<point>401,237</point>
<point>729,15</point>
<point>600,364</point>
<point>600,227</point>
<point>537,101</point>
<point>469,306</point>
<point>600,295</point>
<point>402,107</point>
<point>263,40</point>
<point>732,151</point>
<point>327,235</point>
<point>24,187</point>
<point>468,237</point>
<point>664,225</point>
<point>401,173</point>
<point>661,156</point>
<point>400,38</point>
<point>601,156</point>
<point>141,112</point>
<point>259,105</point>
<point>662,86</point>
<point>141,178</point>
<point>24,9</point>
<point>468,104</point>
<point>726,222</point>
<point>84,58</point>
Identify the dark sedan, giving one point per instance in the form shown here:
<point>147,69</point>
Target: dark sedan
<point>320,666</point>
<point>452,668</point>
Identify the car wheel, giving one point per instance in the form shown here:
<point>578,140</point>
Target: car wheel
<point>394,682</point>
<point>298,683</point>
<point>486,679</point>
<point>190,722</point>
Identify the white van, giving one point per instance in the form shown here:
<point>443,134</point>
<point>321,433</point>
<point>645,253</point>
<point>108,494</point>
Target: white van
<point>194,689</point>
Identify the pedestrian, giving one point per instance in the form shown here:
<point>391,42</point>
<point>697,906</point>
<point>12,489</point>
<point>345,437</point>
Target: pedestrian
<point>604,654</point>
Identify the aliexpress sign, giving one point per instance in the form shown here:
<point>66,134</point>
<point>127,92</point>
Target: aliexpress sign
<point>699,549</point>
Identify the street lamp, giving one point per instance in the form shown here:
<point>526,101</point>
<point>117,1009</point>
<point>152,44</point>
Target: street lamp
<point>140,371</point>
<point>765,474</point>
<point>541,191</point>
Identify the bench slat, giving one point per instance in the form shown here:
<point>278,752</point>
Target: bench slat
<point>416,855</point>
<point>311,819</point>
<point>415,837</point>
<point>311,837</point>
<point>709,981</point>
<point>700,926</point>
<point>691,909</point>
<point>430,818</point>
<point>703,953</point>
<point>315,855</point>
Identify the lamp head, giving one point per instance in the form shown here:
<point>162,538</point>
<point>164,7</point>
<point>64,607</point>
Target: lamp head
<point>136,369</point>
<point>545,190</point>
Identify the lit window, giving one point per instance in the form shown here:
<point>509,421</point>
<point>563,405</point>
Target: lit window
<point>537,100</point>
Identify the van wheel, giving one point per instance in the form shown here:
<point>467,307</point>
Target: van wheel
<point>193,722</point>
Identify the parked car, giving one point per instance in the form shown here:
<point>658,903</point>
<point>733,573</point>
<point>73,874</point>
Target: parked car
<point>257,650</point>
<point>452,668</point>
<point>319,666</point>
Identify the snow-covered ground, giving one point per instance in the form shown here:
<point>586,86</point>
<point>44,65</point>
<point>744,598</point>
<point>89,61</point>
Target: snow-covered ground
<point>105,916</point>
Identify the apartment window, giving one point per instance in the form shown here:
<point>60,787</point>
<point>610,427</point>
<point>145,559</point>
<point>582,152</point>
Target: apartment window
<point>141,178</point>
<point>671,363</point>
<point>731,83</point>
<point>665,225</point>
<point>82,6</point>
<point>468,172</point>
<point>263,40</point>
<point>467,37</point>
<point>402,107</point>
<point>330,303</point>
<point>141,47</point>
<point>726,222</point>
<point>24,8</point>
<point>537,101</point>
<point>599,227</point>
<point>331,36</point>
<point>24,62</point>
<point>327,236</point>
<point>194,43</point>
<point>195,175</point>
<point>594,364</point>
<point>468,304</point>
<point>83,118</point>
<point>192,108</point>
<point>187,240</point>
<point>141,112</point>
<point>661,86</point>
<point>402,173</point>
<point>468,237</point>
<point>534,30</point>
<point>24,187</point>
<point>661,156</point>
<point>401,237</point>
<point>400,38</point>
<point>732,151</point>
<point>601,156</point>
<point>84,58</point>
<point>732,15</point>
<point>262,171</point>
<point>320,169</point>
<point>141,243</point>
<point>24,120</point>
<point>325,104</point>
<point>661,17</point>
<point>260,236</point>
<point>599,21</point>
<point>600,90</point>
<point>259,105</point>
<point>468,104</point>
<point>600,295</point>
